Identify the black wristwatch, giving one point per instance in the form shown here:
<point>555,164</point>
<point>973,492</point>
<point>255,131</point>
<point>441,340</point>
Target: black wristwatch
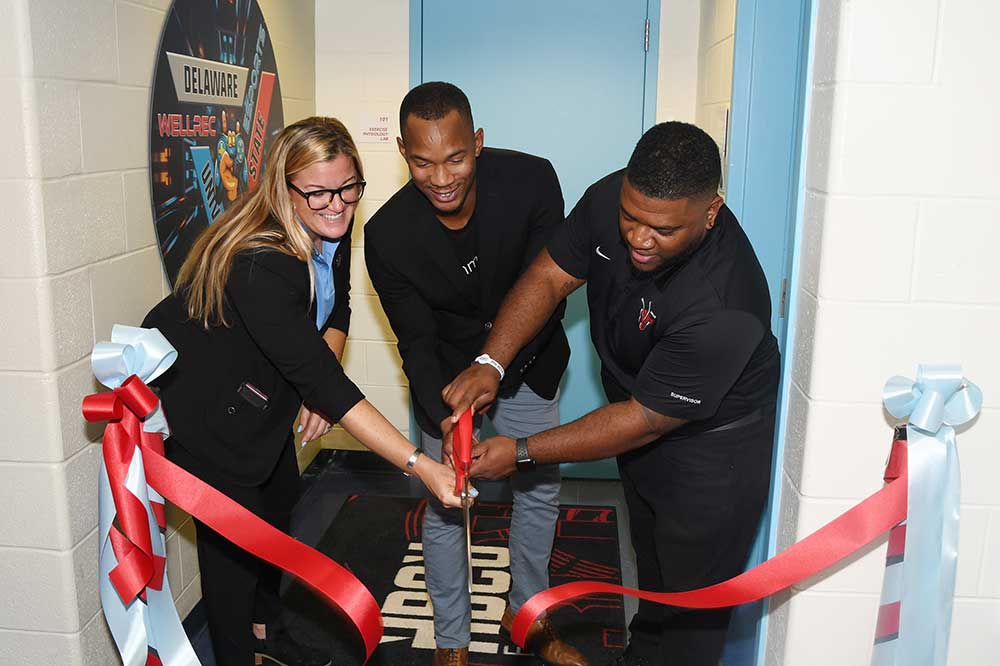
<point>523,459</point>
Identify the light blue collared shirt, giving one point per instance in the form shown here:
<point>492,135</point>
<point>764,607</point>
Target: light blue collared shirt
<point>326,292</point>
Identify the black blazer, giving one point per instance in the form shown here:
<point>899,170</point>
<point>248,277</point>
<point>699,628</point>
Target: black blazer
<point>440,323</point>
<point>272,343</point>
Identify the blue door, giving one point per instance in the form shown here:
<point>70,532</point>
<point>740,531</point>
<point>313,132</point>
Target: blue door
<point>563,79</point>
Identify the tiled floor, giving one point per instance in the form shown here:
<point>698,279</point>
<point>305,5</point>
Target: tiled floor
<point>335,475</point>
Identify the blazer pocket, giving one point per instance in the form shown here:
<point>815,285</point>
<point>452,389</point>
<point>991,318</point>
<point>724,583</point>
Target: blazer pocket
<point>235,421</point>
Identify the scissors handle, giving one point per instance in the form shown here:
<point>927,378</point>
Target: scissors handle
<point>462,450</point>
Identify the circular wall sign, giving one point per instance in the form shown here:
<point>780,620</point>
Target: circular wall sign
<point>216,107</point>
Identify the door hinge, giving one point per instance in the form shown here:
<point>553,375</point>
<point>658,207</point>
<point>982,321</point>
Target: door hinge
<point>784,298</point>
<point>645,38</point>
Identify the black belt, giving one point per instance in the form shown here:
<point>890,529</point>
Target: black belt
<point>749,419</point>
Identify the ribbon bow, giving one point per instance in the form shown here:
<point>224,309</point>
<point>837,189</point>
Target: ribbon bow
<point>939,396</point>
<point>135,592</point>
<point>919,503</point>
<point>915,609</point>
<point>143,352</point>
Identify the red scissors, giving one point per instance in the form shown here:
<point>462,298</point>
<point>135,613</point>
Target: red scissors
<point>462,459</point>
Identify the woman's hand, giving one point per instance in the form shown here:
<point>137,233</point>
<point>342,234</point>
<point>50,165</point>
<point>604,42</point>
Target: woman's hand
<point>312,425</point>
<point>440,480</point>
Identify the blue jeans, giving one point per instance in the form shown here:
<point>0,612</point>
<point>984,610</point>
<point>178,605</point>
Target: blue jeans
<point>532,525</point>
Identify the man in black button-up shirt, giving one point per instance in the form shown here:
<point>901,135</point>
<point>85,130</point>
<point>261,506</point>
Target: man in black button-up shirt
<point>680,317</point>
<point>442,253</point>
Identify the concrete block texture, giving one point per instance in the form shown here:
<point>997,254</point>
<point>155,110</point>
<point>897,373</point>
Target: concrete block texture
<point>948,261</point>
<point>58,107</point>
<point>897,269</point>
<point>73,382</point>
<point>393,402</point>
<point>52,505</point>
<point>23,252</point>
<point>49,586</point>
<point>19,153</point>
<point>15,48</point>
<point>881,265</point>
<point>124,289</point>
<point>973,623</point>
<point>84,220</point>
<point>829,54</point>
<point>30,434</point>
<point>388,19</point>
<point>38,511</point>
<point>857,346</point>
<point>989,582</point>
<point>297,109</point>
<point>115,120</point>
<point>139,229</point>
<point>43,647</point>
<point>909,56</point>
<point>27,345</point>
<point>824,462</point>
<point>74,39</point>
<point>383,364</point>
<point>830,629</point>
<point>368,321</point>
<point>139,30</point>
<point>72,310</point>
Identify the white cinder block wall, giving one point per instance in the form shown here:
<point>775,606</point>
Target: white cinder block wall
<point>79,254</point>
<point>717,27</point>
<point>898,267</point>
<point>677,83</point>
<point>362,74</point>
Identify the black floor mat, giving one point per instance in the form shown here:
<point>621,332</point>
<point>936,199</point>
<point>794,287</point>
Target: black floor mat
<point>378,539</point>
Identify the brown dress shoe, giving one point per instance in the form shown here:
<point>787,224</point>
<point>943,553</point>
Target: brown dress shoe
<point>543,640</point>
<point>451,657</point>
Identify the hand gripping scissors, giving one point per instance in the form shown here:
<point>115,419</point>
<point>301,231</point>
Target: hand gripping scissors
<point>462,458</point>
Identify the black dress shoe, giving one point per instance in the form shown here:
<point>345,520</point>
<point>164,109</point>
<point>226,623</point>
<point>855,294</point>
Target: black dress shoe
<point>280,649</point>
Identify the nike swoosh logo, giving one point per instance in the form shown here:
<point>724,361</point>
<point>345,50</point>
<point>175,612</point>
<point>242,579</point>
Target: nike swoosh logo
<point>601,254</point>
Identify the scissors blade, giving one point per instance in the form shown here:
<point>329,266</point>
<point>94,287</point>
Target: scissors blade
<point>466,501</point>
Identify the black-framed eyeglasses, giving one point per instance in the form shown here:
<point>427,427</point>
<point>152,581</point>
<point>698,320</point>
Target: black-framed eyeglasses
<point>320,199</point>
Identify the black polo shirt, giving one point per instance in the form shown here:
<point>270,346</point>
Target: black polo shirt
<point>692,341</point>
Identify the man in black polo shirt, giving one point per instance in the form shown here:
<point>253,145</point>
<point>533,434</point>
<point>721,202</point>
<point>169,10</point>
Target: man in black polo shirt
<point>680,317</point>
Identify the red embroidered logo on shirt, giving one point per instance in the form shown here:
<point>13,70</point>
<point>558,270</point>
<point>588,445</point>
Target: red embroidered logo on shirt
<point>646,314</point>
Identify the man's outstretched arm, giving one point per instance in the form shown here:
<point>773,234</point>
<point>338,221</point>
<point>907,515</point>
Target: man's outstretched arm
<point>526,308</point>
<point>603,433</point>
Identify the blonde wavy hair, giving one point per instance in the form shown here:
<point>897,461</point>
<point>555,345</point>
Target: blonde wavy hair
<point>263,218</point>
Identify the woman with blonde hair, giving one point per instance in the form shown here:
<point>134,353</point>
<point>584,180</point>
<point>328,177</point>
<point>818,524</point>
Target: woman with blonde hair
<point>259,316</point>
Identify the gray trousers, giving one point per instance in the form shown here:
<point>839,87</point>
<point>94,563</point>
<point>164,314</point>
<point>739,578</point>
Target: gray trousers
<point>532,525</point>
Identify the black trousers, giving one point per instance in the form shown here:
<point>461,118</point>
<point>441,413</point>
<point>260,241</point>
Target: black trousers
<point>237,588</point>
<point>694,508</point>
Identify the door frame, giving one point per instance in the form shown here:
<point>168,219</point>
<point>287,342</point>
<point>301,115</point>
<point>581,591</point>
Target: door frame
<point>761,25</point>
<point>752,155</point>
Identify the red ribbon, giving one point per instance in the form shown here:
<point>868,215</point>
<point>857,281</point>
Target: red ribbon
<point>137,567</point>
<point>821,549</point>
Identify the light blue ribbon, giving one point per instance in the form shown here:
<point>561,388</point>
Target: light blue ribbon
<point>147,354</point>
<point>940,399</point>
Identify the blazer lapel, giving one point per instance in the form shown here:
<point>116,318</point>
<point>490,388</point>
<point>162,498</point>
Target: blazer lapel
<point>490,234</point>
